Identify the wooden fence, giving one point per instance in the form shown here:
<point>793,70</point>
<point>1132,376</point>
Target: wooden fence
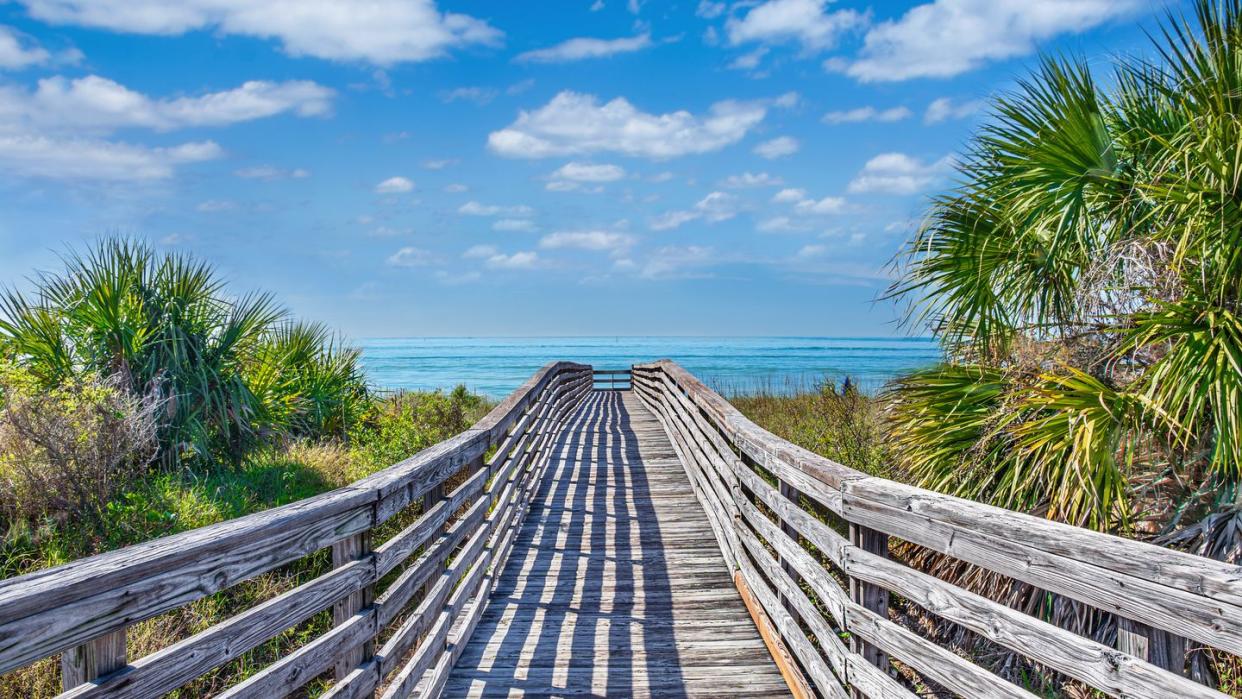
<point>401,608</point>
<point>810,540</point>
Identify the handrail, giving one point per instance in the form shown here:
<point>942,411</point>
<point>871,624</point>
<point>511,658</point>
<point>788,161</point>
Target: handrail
<point>81,610</point>
<point>788,520</point>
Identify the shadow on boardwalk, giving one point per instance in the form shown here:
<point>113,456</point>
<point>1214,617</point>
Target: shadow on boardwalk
<point>615,586</point>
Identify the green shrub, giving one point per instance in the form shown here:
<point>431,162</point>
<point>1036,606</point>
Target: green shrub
<point>231,372</point>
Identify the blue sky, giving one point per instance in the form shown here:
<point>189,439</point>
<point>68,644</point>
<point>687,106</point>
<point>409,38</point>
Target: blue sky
<point>604,167</point>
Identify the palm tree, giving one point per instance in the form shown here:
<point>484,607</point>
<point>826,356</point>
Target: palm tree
<point>230,371</point>
<point>1085,277</point>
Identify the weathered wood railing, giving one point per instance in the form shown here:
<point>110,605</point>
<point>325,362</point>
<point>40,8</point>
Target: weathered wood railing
<point>611,379</point>
<point>810,541</point>
<point>400,608</point>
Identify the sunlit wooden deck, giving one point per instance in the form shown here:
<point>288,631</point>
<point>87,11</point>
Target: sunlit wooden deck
<point>616,586</point>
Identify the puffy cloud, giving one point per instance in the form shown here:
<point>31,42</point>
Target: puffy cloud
<point>608,241</point>
<point>98,104</point>
<point>17,52</point>
<point>861,114</point>
<point>574,123</point>
<point>803,205</point>
<point>585,47</point>
<point>517,260</point>
<point>778,147</point>
<point>412,257</point>
<point>474,208</point>
<point>587,172</point>
<point>750,179</point>
<point>710,10</point>
<point>827,205</point>
<point>713,208</point>
<point>806,22</point>
<point>898,173</point>
<point>789,196</point>
<point>944,109</point>
<point>394,185</point>
<point>949,37</point>
<point>382,32</point>
<point>92,159</point>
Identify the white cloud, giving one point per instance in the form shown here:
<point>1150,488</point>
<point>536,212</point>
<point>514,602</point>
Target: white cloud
<point>713,208</point>
<point>778,147</point>
<point>587,172</point>
<point>585,47</point>
<point>499,260</point>
<point>478,95</point>
<point>805,206</point>
<point>456,188</point>
<point>270,173</point>
<point>944,109</point>
<point>474,208</point>
<point>97,104</point>
<point>607,241</point>
<point>812,251</point>
<point>710,10</point>
<point>674,262</point>
<point>412,257</point>
<point>898,173</point>
<point>806,22</point>
<point>781,224</point>
<point>439,164</point>
<point>394,185</point>
<point>480,251</point>
<point>944,38</point>
<point>827,205</point>
<point>861,114</point>
<point>92,159</point>
<point>750,179</point>
<point>789,196</point>
<point>749,60</point>
<point>18,52</point>
<point>514,224</point>
<point>574,123</point>
<point>382,32</point>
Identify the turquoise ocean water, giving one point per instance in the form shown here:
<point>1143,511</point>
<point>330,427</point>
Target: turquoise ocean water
<point>495,366</point>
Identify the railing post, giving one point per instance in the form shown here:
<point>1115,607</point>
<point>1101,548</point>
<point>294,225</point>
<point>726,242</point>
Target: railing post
<point>872,597</point>
<point>344,552</point>
<point>1156,646</point>
<point>92,659</point>
<point>789,493</point>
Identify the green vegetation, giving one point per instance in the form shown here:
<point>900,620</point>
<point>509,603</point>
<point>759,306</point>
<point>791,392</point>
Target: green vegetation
<point>138,399</point>
<point>1085,278</point>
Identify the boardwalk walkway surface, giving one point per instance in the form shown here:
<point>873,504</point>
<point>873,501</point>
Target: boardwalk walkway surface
<point>616,586</point>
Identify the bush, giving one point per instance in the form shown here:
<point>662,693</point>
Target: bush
<point>67,451</point>
<point>233,372</point>
<point>408,422</point>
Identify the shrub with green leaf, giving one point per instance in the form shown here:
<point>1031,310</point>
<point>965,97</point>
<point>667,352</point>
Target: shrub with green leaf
<point>230,371</point>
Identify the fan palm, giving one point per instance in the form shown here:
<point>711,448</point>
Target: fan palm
<point>1084,276</point>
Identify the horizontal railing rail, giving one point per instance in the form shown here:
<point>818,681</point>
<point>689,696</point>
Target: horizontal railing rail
<point>611,379</point>
<point>810,542</point>
<point>401,608</point>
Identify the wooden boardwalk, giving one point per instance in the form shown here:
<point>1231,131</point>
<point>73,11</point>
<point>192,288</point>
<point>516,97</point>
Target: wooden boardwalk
<point>616,586</point>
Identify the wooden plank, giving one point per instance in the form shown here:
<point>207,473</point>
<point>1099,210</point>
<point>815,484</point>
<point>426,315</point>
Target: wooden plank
<point>345,552</point>
<point>613,556</point>
<point>798,686</point>
<point>169,668</point>
<point>92,659</point>
<point>873,598</point>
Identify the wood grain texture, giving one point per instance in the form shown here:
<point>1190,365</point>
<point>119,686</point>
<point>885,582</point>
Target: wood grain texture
<point>616,585</point>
